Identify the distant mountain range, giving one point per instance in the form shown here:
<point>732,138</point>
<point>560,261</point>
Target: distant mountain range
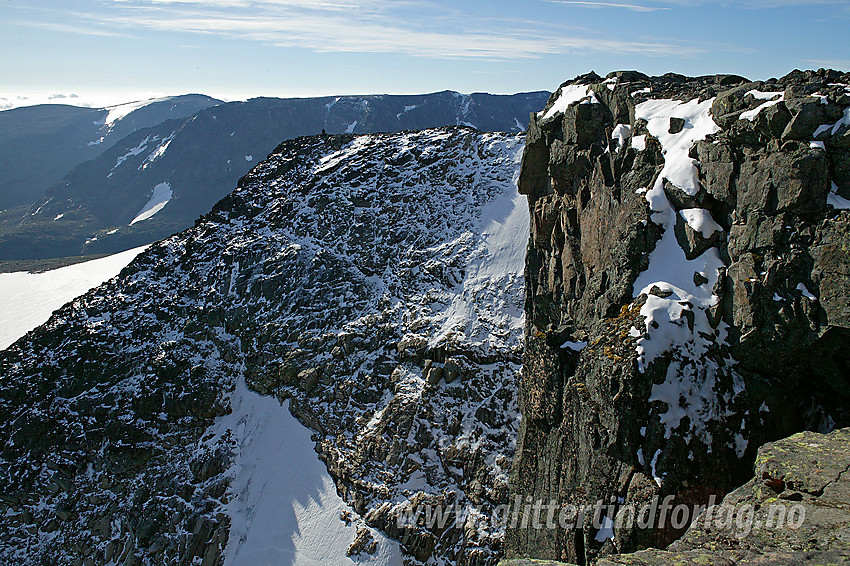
<point>40,144</point>
<point>80,181</point>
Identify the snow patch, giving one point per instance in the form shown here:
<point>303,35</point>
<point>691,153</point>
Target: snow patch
<point>497,262</point>
<point>652,466</point>
<point>284,507</point>
<point>119,111</point>
<point>679,168</point>
<point>406,110</point>
<point>844,121</point>
<point>28,299</point>
<point>143,145</point>
<point>836,201</point>
<point>772,98</point>
<point>741,444</point>
<point>158,152</point>
<point>621,133</point>
<point>161,196</point>
<point>606,532</point>
<point>567,96</point>
<point>700,220</point>
<point>676,317</point>
<point>802,288</point>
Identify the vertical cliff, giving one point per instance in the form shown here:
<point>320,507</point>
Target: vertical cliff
<point>687,291</point>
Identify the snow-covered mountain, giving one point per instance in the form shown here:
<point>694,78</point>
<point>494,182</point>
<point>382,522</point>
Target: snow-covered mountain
<point>182,167</point>
<point>373,282</point>
<point>40,144</point>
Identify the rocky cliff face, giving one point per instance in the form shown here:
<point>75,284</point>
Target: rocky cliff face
<point>802,477</point>
<point>374,281</point>
<point>687,290</point>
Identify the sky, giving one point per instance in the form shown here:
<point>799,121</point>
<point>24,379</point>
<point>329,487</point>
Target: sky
<point>235,49</point>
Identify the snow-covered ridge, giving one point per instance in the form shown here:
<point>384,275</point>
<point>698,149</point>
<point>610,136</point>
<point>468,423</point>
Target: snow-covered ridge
<point>119,111</point>
<point>323,279</point>
<point>107,101</point>
<point>567,96</point>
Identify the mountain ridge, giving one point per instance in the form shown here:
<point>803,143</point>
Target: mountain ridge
<point>203,157</point>
<point>320,279</point>
<point>39,144</point>
<point>685,288</point>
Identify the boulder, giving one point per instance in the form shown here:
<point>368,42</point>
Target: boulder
<point>806,115</point>
<point>309,378</point>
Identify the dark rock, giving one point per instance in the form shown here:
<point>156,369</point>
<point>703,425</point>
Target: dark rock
<point>676,125</point>
<point>531,562</point>
<point>728,105</point>
<point>589,431</point>
<point>582,123</point>
<point>807,114</point>
<point>451,370</point>
<point>810,470</point>
<point>309,378</point>
<point>775,119</point>
<point>694,243</point>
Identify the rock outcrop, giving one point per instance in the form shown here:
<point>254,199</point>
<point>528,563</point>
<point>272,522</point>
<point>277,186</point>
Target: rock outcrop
<point>373,281</point>
<point>795,510</point>
<point>687,291</point>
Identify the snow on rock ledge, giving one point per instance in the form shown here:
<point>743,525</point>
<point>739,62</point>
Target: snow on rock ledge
<point>664,247</point>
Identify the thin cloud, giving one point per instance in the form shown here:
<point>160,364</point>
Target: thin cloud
<point>365,26</point>
<point>841,65</point>
<point>69,28</point>
<point>755,4</point>
<point>588,4</point>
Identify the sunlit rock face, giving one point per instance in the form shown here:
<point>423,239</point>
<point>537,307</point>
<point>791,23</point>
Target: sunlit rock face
<point>687,290</point>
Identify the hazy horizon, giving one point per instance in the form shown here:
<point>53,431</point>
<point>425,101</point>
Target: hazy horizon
<point>237,49</point>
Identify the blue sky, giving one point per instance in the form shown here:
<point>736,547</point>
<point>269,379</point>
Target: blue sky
<point>241,48</point>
